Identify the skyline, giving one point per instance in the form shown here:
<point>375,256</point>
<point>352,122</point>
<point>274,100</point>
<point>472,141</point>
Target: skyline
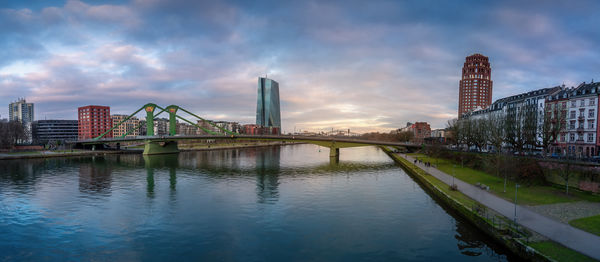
<point>367,67</point>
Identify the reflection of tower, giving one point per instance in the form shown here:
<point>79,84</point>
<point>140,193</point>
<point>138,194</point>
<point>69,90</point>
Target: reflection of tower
<point>267,171</point>
<point>95,176</point>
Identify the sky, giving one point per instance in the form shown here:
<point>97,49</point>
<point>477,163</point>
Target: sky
<point>358,65</point>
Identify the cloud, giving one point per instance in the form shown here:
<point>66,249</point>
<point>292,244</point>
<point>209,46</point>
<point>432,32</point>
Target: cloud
<point>340,65</point>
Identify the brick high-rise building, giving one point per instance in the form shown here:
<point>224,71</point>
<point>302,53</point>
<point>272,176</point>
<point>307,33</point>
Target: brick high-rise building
<point>475,88</point>
<point>94,121</point>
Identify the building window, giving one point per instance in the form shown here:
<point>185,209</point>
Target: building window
<point>590,137</point>
<point>582,102</point>
<point>591,113</point>
<point>592,101</point>
<point>591,124</point>
<point>572,137</point>
<point>562,138</point>
<point>572,114</point>
<point>573,103</point>
<point>572,125</point>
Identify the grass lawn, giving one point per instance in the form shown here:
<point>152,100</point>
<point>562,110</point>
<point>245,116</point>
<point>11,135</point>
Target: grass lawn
<point>589,224</point>
<point>559,252</point>
<point>457,195</point>
<point>528,195</point>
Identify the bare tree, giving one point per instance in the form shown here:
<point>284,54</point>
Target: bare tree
<point>479,133</point>
<point>530,126</point>
<point>405,136</point>
<point>496,139</point>
<point>11,133</point>
<point>466,132</point>
<point>513,129</point>
<point>554,124</point>
<point>566,172</point>
<point>453,129</point>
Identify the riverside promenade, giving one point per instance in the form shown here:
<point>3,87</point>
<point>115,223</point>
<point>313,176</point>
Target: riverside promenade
<point>571,237</point>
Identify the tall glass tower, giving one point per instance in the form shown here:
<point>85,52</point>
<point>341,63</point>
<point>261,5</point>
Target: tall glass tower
<point>267,106</point>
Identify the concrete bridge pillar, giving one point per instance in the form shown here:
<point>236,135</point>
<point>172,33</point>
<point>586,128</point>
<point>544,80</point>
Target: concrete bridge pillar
<point>334,153</point>
<point>154,148</point>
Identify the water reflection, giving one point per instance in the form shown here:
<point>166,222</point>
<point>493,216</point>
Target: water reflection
<point>267,174</point>
<point>95,176</point>
<point>152,162</point>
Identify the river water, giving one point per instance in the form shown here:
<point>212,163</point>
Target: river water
<point>286,203</point>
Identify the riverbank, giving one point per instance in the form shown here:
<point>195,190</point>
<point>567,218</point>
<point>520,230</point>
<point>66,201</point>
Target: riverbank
<point>474,205</point>
<point>79,152</point>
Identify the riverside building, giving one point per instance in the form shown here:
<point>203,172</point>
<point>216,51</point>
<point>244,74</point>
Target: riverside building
<point>267,106</point>
<point>54,131</point>
<point>23,112</point>
<point>94,121</point>
<point>475,86</point>
<point>582,120</point>
<point>127,126</point>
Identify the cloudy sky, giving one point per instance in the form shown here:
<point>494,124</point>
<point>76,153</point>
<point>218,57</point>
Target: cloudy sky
<point>363,65</point>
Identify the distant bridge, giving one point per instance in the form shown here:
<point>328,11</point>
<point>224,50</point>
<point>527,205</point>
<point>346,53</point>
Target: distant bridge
<point>168,143</point>
<point>333,143</point>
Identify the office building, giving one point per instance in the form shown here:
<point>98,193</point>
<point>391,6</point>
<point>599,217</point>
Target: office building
<point>475,87</point>
<point>94,121</point>
<point>267,106</point>
<point>54,131</point>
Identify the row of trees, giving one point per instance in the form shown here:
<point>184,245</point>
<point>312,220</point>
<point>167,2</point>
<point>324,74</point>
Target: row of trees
<point>10,133</point>
<point>519,129</point>
<point>392,136</point>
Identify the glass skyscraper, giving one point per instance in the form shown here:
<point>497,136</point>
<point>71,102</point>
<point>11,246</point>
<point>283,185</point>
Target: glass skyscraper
<point>267,106</point>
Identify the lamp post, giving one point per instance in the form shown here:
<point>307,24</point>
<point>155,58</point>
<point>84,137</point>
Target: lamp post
<point>516,189</point>
<point>453,167</point>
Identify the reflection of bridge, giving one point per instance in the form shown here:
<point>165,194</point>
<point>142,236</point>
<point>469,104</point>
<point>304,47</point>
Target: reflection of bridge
<point>168,143</point>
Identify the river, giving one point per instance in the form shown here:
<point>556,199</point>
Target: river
<point>287,203</point>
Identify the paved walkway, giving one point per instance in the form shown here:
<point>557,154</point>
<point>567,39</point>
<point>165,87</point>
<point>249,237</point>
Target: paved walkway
<point>574,238</point>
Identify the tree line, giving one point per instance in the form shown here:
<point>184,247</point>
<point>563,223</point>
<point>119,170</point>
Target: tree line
<point>518,129</point>
<point>393,136</point>
<point>11,132</point>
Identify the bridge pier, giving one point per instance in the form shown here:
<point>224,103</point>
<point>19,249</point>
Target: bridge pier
<point>334,154</point>
<point>154,148</point>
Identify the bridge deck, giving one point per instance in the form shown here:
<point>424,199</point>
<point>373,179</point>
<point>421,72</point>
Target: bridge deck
<point>339,142</point>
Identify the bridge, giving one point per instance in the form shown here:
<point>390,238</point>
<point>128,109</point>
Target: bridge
<point>162,144</point>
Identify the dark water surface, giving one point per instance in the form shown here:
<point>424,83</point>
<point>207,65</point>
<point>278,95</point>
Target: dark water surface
<point>257,204</point>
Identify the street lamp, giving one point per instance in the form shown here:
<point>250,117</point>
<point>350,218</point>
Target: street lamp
<point>516,189</point>
<point>453,167</point>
